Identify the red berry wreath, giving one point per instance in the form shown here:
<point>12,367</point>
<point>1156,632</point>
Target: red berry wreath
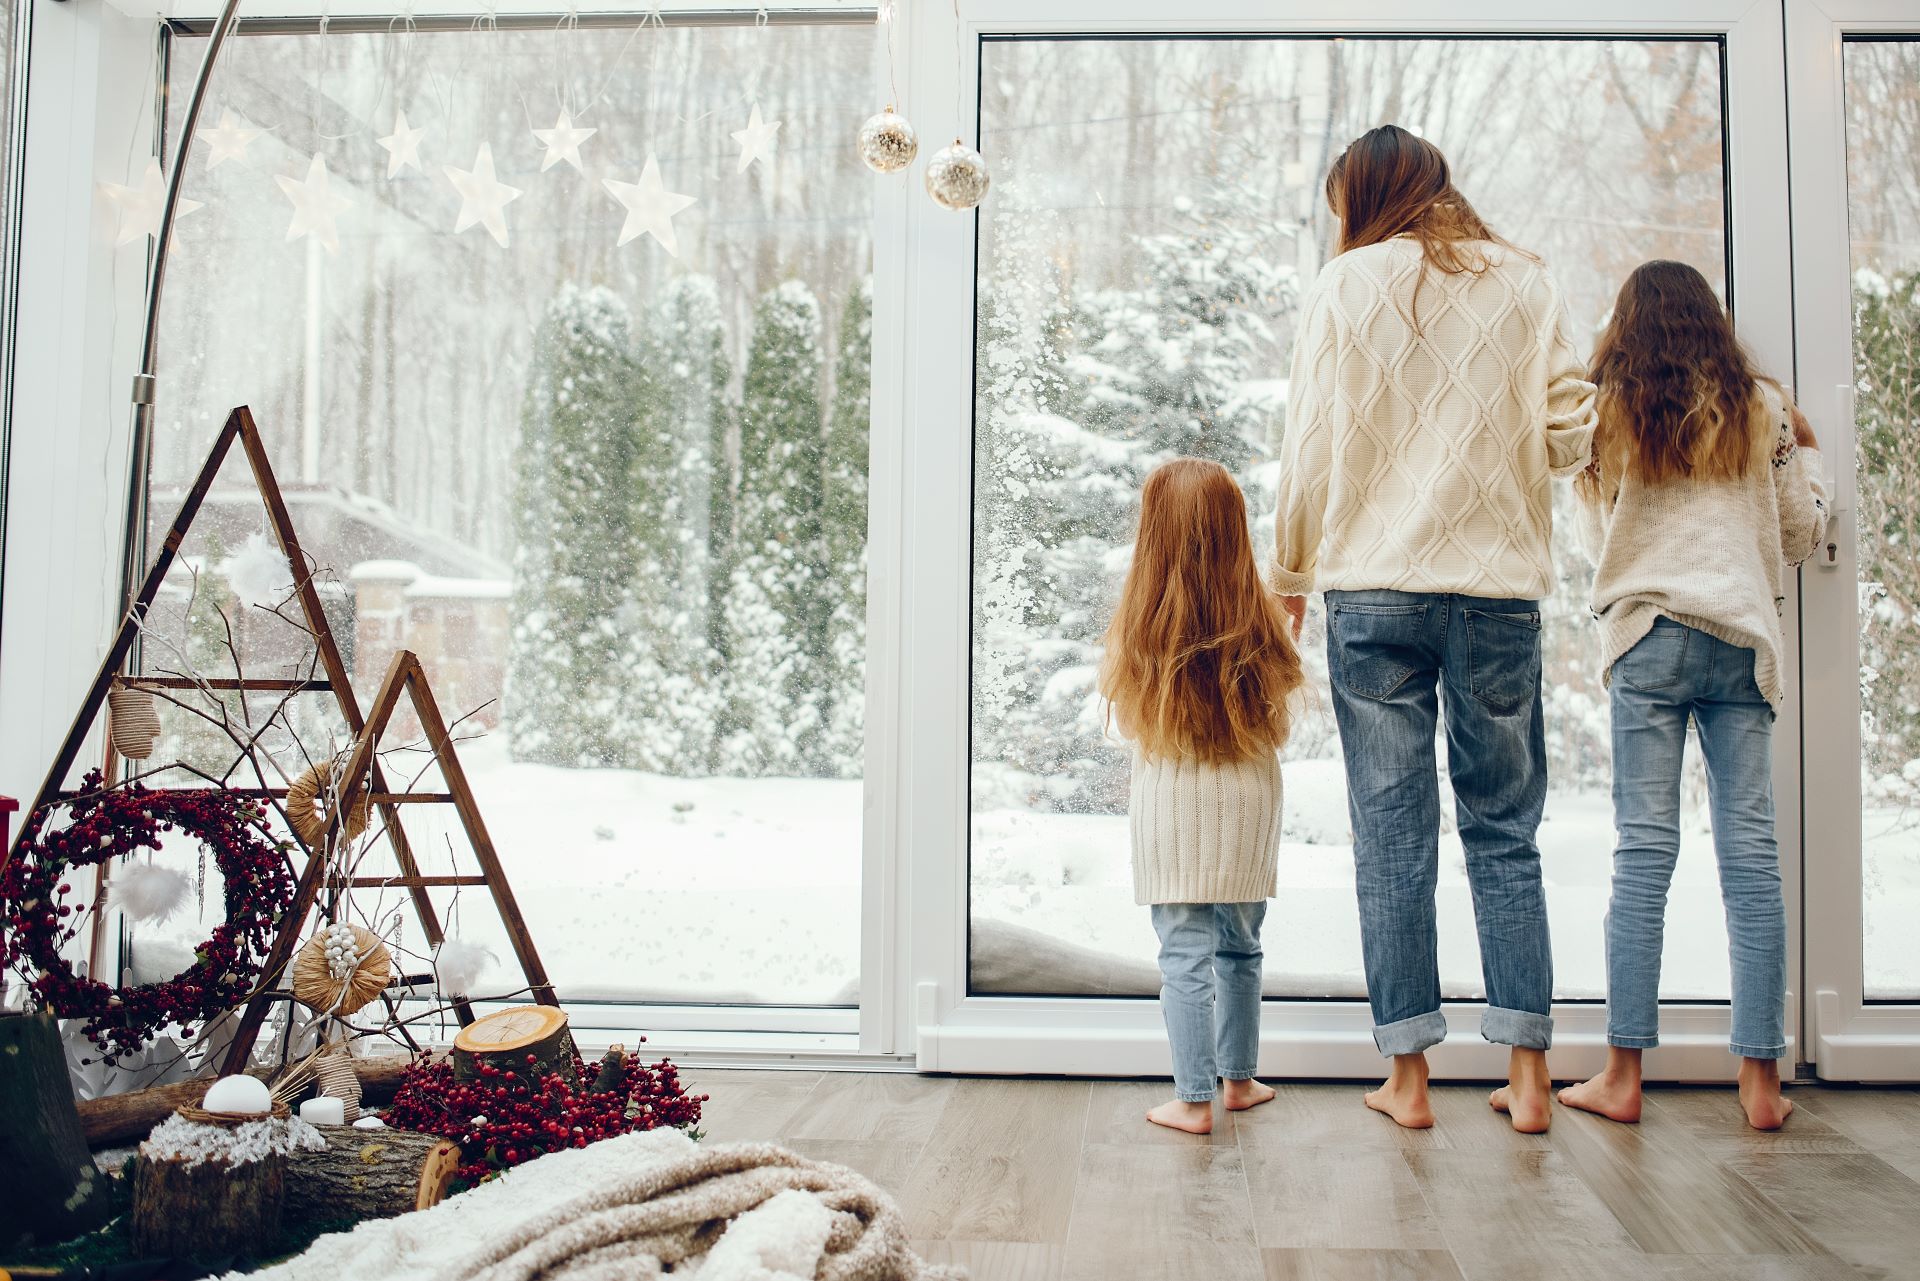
<point>103,824</point>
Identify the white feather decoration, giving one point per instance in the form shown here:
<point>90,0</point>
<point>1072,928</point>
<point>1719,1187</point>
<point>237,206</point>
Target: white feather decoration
<point>458,965</point>
<point>259,573</point>
<point>147,891</point>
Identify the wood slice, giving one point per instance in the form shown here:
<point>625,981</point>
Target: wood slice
<point>368,1174</point>
<point>53,1190</point>
<point>207,1211</point>
<point>121,1118</point>
<point>509,1036</point>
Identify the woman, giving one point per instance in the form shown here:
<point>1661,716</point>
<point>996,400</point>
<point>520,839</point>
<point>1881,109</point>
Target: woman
<point>1434,396</point>
<point>1704,484</point>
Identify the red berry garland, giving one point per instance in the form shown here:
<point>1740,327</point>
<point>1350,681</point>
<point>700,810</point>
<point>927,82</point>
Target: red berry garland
<point>103,824</point>
<point>508,1116</point>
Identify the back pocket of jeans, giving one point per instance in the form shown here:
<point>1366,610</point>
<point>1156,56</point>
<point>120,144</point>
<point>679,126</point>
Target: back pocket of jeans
<point>1503,658</point>
<point>1657,660</point>
<point>1377,646</point>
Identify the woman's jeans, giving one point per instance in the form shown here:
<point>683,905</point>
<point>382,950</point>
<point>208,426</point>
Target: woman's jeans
<point>1392,656</point>
<point>1210,991</point>
<point>1675,673</point>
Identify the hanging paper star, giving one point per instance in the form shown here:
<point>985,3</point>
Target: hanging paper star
<point>563,143</point>
<point>483,198</point>
<point>142,207</point>
<point>650,207</point>
<point>756,140</point>
<point>315,205</point>
<point>229,139</point>
<point>403,145</point>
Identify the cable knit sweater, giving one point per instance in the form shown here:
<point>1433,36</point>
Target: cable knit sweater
<point>1422,461</point>
<point>1205,833</point>
<point>1708,553</point>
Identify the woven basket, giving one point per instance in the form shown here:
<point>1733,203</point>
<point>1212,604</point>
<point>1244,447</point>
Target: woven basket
<point>315,987</point>
<point>201,1116</point>
<point>303,808</point>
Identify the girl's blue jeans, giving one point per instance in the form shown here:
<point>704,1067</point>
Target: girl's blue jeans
<point>1674,674</point>
<point>1210,991</point>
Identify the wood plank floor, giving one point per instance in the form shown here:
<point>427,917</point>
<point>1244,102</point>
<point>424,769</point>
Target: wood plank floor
<point>1063,1180</point>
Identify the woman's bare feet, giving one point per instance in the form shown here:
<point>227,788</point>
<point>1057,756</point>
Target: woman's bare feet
<point>1527,1097</point>
<point>1615,1093</point>
<point>1241,1095</point>
<point>1178,1114</point>
<point>1760,1094</point>
<point>1404,1096</point>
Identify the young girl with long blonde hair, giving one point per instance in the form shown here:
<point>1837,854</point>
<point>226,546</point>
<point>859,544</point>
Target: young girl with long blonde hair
<point>1199,672</point>
<point>1704,485</point>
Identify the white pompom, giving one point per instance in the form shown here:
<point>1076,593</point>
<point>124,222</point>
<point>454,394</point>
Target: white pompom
<point>259,573</point>
<point>459,964</point>
<point>239,1096</point>
<point>148,892</point>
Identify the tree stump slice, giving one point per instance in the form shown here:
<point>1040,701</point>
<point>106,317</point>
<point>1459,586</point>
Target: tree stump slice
<point>208,1211</point>
<point>369,1174</point>
<point>505,1039</point>
<point>53,1190</point>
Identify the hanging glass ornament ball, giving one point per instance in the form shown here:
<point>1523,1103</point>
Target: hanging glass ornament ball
<point>887,143</point>
<point>957,176</point>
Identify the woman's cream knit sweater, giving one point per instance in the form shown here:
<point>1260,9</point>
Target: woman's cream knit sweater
<point>1421,459</point>
<point>1708,553</point>
<point>1205,833</point>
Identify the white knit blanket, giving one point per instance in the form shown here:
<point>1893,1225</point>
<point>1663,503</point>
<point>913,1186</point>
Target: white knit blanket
<point>634,1206</point>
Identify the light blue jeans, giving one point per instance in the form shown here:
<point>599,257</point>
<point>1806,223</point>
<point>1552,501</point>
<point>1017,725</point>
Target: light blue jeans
<point>1392,656</point>
<point>1210,991</point>
<point>1673,674</point>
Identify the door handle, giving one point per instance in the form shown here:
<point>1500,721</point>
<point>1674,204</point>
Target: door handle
<point>1838,468</point>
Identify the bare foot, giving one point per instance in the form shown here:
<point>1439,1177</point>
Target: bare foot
<point>1241,1095</point>
<point>1527,1097</point>
<point>1178,1114</point>
<point>1760,1094</point>
<point>1615,1093</point>
<point>1404,1096</point>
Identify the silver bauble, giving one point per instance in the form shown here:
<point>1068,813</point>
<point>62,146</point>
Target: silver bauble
<point>957,176</point>
<point>887,143</point>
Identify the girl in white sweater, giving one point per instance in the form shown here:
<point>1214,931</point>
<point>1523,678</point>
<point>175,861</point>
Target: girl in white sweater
<point>1199,672</point>
<point>1704,484</point>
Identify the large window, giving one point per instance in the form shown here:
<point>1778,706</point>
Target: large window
<point>1141,266</point>
<point>1883,211</point>
<point>595,450</point>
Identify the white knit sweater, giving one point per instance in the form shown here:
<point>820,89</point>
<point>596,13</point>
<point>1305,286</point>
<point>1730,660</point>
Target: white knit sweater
<point>1205,833</point>
<point>1708,553</point>
<point>1422,461</point>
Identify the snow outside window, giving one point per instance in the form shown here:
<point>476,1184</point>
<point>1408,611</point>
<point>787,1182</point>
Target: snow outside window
<point>614,494</point>
<point>1883,214</point>
<point>1142,261</point>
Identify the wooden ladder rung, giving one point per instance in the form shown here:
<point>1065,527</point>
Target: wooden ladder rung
<point>376,798</point>
<point>400,882</point>
<point>262,683</point>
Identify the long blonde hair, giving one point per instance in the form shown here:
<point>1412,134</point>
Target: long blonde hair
<point>1199,662</point>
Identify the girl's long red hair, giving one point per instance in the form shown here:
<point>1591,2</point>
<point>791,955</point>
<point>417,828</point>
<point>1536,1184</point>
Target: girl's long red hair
<point>1199,662</point>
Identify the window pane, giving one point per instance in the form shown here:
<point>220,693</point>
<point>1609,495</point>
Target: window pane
<point>1883,211</point>
<point>613,495</point>
<point>1142,262</point>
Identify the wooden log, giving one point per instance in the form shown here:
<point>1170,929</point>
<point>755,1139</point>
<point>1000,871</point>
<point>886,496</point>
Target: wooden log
<point>123,1118</point>
<point>53,1190</point>
<point>505,1039</point>
<point>368,1174</point>
<point>208,1211</point>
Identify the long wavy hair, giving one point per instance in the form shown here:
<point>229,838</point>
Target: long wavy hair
<point>1678,392</point>
<point>1199,660</point>
<point>1390,183</point>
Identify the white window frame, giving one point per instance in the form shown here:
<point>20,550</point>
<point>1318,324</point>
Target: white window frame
<point>1850,1039</point>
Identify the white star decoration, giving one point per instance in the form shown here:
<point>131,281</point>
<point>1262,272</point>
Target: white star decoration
<point>756,140</point>
<point>315,205</point>
<point>141,207</point>
<point>402,145</point>
<point>483,198</point>
<point>650,207</point>
<point>563,143</point>
<point>229,139</point>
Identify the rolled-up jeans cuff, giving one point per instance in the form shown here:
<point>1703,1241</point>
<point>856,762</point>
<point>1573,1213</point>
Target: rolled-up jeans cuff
<point>1518,1028</point>
<point>1410,1036</point>
<point>1758,1051</point>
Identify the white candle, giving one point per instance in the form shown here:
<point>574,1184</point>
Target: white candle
<point>324,1111</point>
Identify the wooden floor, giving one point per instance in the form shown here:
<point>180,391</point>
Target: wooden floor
<point>1044,1180</point>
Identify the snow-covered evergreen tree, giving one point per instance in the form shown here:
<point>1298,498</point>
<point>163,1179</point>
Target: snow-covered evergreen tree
<point>777,624</point>
<point>844,531</point>
<point>573,600</point>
